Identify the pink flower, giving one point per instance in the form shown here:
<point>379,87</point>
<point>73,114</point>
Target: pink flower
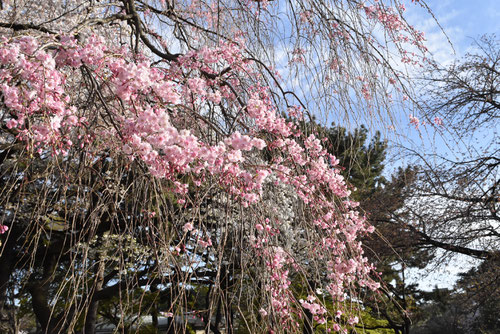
<point>204,243</point>
<point>415,121</point>
<point>187,227</point>
<point>258,143</point>
<point>240,142</point>
<point>11,123</point>
<point>72,120</point>
<point>438,121</point>
<point>3,229</point>
<point>197,86</point>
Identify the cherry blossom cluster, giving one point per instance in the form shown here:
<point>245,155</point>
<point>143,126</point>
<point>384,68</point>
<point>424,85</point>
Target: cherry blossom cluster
<point>157,116</point>
<point>392,21</point>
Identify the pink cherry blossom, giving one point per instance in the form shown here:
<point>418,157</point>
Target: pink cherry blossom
<point>3,228</point>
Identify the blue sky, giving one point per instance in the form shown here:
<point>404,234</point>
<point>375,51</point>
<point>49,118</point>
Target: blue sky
<point>459,22</point>
<point>462,21</point>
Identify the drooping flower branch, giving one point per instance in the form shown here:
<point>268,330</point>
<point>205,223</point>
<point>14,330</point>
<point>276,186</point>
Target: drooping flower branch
<point>233,180</point>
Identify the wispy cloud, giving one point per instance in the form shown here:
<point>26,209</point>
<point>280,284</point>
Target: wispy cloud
<point>461,21</point>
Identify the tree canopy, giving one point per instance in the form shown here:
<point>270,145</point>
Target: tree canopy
<point>145,153</point>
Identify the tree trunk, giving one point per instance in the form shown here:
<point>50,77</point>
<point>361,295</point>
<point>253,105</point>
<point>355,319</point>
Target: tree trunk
<point>91,317</point>
<point>38,289</point>
<point>40,306</point>
<point>6,264</point>
<point>154,309</point>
